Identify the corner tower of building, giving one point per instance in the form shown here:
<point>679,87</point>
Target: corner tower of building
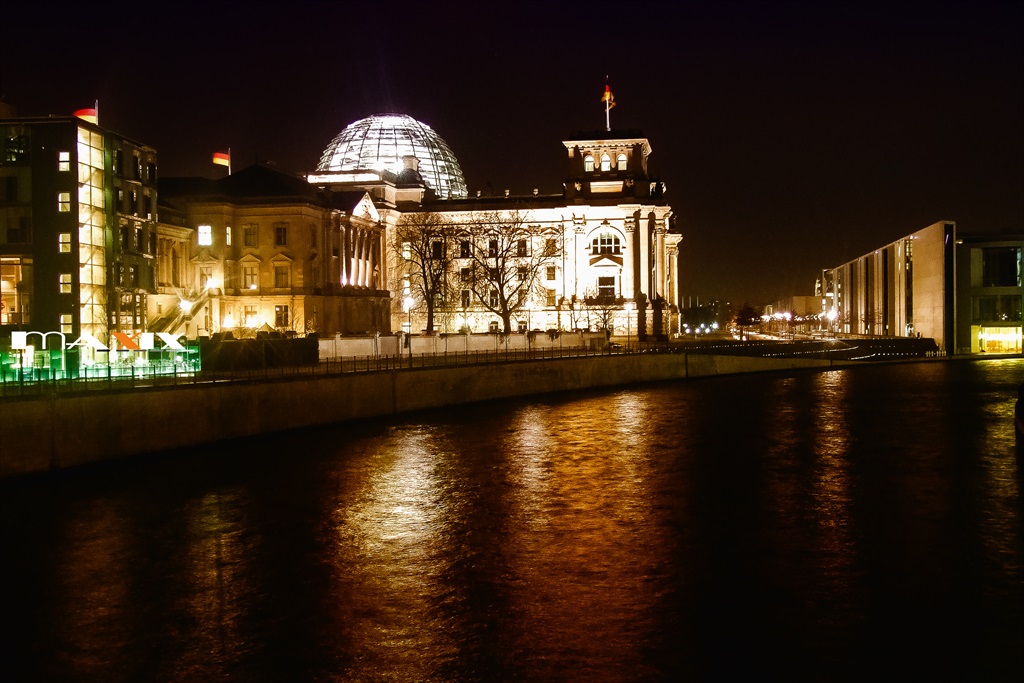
<point>609,164</point>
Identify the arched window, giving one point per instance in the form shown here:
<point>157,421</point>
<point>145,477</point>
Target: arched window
<point>622,162</point>
<point>606,243</point>
<point>588,163</point>
<point>606,162</point>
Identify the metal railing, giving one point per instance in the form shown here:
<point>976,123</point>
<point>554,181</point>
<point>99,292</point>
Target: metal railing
<point>38,383</point>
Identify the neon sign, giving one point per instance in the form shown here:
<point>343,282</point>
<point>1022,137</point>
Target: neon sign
<point>144,341</point>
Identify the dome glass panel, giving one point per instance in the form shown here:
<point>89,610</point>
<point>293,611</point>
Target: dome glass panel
<point>379,142</point>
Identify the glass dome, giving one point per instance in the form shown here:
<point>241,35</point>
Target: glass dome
<point>379,142</point>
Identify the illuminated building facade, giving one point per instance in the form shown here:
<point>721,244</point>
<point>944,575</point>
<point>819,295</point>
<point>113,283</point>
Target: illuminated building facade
<point>963,291</point>
<point>990,295</point>
<point>77,228</point>
<point>264,251</point>
<point>609,238</point>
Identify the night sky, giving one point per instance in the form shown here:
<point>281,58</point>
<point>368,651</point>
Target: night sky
<point>791,136</point>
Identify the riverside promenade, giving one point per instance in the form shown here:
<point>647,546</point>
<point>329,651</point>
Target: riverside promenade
<point>55,426</point>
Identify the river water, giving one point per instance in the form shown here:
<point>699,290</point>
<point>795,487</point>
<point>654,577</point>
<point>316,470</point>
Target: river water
<point>850,525</point>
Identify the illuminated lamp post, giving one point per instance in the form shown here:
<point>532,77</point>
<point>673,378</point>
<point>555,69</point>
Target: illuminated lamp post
<point>831,315</point>
<point>407,306</point>
<point>628,307</point>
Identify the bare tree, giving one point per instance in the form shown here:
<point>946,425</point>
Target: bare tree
<point>602,308</point>
<point>425,245</point>
<point>503,256</point>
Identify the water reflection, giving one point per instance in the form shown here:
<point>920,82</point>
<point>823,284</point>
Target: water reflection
<point>393,544</point>
<point>820,526</point>
<point>583,547</point>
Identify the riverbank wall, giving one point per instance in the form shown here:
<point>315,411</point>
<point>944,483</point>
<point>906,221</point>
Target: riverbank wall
<point>56,433</point>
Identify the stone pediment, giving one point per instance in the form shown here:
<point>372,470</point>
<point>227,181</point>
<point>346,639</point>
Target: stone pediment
<point>606,260</point>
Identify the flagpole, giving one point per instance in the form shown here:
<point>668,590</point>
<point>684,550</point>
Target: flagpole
<point>607,107</point>
<point>96,106</point>
<point>229,161</point>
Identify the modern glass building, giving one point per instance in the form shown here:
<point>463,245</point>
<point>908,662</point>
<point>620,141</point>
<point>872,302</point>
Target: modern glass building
<point>382,141</point>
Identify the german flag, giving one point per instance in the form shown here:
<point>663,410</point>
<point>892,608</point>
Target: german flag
<point>222,158</point>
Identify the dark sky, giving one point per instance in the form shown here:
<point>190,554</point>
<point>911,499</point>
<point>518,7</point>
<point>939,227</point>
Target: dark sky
<point>791,136</point>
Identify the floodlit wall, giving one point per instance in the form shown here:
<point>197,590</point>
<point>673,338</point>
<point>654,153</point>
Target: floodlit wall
<point>904,289</point>
<point>58,433</point>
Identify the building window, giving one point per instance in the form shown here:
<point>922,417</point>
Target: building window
<point>606,287</point>
<point>521,248</point>
<point>551,297</point>
<point>205,235</point>
<point>492,248</point>
<point>249,233</point>
<point>249,316</point>
<point>1000,267</point>
<point>551,247</point>
<point>492,298</point>
<point>407,251</point>
<point>588,163</point>
<point>465,298</point>
<point>280,234</point>
<point>64,242</point>
<point>523,273</point>
<point>151,172</point>
<point>281,316</point>
<point>466,274</point>
<point>19,229</point>
<point>282,276</point>
<point>133,276</point>
<point>63,161</point>
<point>551,272</point>
<point>205,275</point>
<point>606,243</point>
<point>464,249</point>
<point>437,250</point>
<point>126,238</point>
<point>250,276</point>
<point>606,162</point>
<point>227,236</point>
<point>66,326</point>
<point>622,162</point>
<point>65,283</point>
<point>17,148</point>
<point>9,189</point>
<point>118,162</point>
<point>133,202</point>
<point>64,202</point>
<point>996,309</point>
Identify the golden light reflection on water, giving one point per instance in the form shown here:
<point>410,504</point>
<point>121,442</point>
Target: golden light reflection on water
<point>217,594</point>
<point>94,580</point>
<point>809,481</point>
<point>1000,469</point>
<point>584,544</point>
<point>391,530</point>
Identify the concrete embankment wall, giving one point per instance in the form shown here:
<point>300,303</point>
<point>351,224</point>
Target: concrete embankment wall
<point>57,433</point>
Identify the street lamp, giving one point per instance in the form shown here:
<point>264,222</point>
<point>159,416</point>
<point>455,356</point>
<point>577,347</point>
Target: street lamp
<point>628,307</point>
<point>831,315</point>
